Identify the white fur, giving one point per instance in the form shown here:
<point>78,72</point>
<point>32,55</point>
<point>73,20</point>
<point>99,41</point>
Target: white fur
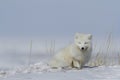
<point>73,55</point>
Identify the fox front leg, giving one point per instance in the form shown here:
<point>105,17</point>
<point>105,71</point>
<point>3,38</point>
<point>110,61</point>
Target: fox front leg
<point>76,64</point>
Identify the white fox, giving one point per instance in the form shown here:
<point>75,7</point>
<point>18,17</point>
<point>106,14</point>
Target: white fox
<point>75,55</point>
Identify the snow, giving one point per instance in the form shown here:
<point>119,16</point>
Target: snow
<point>41,71</point>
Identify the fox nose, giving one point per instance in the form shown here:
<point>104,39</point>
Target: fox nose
<point>82,48</point>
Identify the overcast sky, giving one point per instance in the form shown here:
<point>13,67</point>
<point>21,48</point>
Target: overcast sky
<point>43,18</point>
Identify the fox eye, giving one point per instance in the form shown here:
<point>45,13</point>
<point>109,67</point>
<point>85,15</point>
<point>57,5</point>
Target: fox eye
<point>86,42</point>
<point>79,42</point>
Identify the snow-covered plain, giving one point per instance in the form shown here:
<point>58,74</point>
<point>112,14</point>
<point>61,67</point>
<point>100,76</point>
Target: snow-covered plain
<point>14,65</point>
<point>41,71</point>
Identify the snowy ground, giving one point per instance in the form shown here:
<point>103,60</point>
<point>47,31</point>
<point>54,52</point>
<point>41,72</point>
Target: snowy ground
<point>41,71</point>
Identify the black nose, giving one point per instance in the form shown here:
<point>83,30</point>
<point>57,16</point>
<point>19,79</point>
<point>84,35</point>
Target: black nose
<point>82,48</point>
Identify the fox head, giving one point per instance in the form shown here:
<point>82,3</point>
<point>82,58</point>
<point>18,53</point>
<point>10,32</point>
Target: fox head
<point>83,41</point>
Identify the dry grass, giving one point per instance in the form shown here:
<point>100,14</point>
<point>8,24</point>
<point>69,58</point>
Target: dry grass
<point>106,56</point>
<point>30,53</point>
<point>50,47</point>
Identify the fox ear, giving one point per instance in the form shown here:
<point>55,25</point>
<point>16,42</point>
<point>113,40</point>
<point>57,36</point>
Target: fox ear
<point>89,36</point>
<point>76,35</point>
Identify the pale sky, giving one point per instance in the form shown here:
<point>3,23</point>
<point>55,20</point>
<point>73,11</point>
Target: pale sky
<point>43,18</point>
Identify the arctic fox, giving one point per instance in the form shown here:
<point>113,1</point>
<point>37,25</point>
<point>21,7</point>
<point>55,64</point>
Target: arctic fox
<point>75,55</point>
